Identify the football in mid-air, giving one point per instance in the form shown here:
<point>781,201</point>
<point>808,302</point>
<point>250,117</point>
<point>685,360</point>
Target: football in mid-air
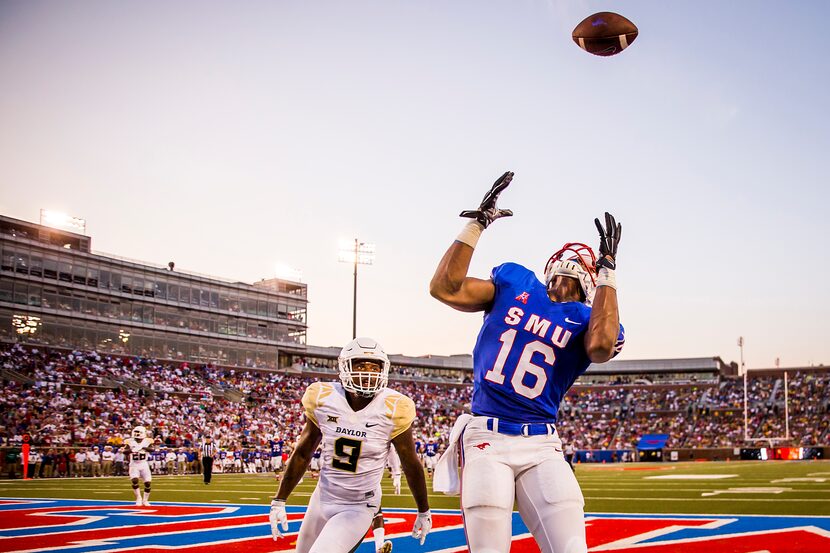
<point>605,34</point>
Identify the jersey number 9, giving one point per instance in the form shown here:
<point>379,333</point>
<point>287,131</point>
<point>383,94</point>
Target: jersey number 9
<point>347,451</point>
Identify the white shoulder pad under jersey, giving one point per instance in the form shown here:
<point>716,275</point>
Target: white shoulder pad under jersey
<point>355,443</point>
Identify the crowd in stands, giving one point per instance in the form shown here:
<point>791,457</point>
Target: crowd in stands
<point>67,400</point>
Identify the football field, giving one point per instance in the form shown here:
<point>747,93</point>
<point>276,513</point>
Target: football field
<point>783,505</point>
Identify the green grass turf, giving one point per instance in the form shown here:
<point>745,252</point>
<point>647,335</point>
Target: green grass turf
<point>607,488</point>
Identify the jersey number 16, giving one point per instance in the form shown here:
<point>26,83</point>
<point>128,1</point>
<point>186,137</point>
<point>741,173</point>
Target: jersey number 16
<point>524,366</point>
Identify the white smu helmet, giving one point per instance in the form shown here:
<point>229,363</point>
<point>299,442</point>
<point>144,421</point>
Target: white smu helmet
<point>364,367</point>
<point>580,264</point>
<point>139,433</point>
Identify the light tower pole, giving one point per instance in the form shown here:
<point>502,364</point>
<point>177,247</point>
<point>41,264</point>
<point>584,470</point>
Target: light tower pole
<point>357,253</point>
<point>743,371</point>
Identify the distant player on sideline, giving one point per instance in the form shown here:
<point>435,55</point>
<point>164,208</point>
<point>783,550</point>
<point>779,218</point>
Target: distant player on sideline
<point>138,446</point>
<point>535,341</point>
<point>394,462</point>
<point>356,420</point>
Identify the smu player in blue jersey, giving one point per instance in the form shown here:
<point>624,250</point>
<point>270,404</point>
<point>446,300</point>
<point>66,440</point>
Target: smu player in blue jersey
<point>536,339</point>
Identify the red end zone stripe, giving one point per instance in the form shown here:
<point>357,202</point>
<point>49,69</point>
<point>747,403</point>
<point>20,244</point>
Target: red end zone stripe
<point>600,531</point>
<point>61,539</point>
<point>793,541</point>
<point>39,517</point>
<point>267,544</point>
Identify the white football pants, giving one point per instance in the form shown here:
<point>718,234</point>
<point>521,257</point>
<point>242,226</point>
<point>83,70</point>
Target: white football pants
<point>532,469</point>
<point>333,528</point>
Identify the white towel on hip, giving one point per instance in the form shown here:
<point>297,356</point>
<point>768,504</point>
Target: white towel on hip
<point>446,471</point>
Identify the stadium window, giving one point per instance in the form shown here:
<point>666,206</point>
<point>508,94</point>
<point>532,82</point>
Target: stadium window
<point>21,263</point>
<point>104,279</point>
<point>64,271</point>
<point>214,299</point>
<point>36,268</point>
<point>50,266</point>
<point>6,290</point>
<point>272,310</point>
<point>78,274</point>
<point>20,292</point>
<point>6,327</point>
<point>204,298</point>
<point>33,297</point>
<point>160,289</point>
<point>50,298</point>
<point>173,292</point>
<point>7,263</point>
<point>184,294</point>
<point>92,276</point>
<point>138,286</point>
<point>262,308</point>
<point>127,284</point>
<point>147,316</point>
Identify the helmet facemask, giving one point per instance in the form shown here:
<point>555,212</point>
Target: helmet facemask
<point>574,260</point>
<point>364,367</point>
<point>139,433</point>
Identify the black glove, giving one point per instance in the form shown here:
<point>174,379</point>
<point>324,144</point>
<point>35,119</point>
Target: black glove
<point>487,212</point>
<point>609,239</point>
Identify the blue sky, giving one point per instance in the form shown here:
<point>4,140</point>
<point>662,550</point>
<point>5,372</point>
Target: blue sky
<point>231,136</point>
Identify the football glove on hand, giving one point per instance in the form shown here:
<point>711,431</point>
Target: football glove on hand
<point>423,524</point>
<point>609,239</point>
<point>487,212</point>
<point>277,518</point>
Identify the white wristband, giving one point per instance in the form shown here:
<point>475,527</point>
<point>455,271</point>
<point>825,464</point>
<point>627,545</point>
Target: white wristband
<point>607,277</point>
<point>470,233</point>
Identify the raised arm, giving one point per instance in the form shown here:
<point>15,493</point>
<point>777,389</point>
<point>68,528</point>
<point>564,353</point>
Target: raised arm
<point>604,325</point>
<point>450,283</point>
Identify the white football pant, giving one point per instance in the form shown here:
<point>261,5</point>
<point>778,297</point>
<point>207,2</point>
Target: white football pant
<point>141,470</point>
<point>532,469</point>
<point>333,528</point>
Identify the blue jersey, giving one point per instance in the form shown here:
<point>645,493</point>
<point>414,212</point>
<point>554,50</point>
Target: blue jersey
<point>431,450</point>
<point>529,351</point>
<point>317,453</point>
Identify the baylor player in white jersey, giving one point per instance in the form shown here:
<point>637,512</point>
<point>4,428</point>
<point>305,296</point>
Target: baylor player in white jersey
<point>356,420</point>
<point>138,447</point>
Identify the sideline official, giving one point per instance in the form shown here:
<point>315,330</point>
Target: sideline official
<point>208,451</point>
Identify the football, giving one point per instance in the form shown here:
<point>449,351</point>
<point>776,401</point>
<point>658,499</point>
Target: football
<point>605,34</point>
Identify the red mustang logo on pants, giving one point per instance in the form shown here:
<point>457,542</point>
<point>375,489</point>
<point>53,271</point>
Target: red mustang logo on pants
<point>482,445</point>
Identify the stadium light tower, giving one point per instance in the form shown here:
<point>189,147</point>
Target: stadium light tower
<point>63,221</point>
<point>357,253</point>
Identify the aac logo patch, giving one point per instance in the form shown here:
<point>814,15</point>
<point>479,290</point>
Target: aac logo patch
<point>107,526</point>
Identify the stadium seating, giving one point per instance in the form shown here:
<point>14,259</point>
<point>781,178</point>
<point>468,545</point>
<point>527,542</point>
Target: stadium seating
<point>83,398</point>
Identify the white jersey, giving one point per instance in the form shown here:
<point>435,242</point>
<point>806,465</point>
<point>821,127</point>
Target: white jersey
<point>355,444</point>
<point>138,450</point>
